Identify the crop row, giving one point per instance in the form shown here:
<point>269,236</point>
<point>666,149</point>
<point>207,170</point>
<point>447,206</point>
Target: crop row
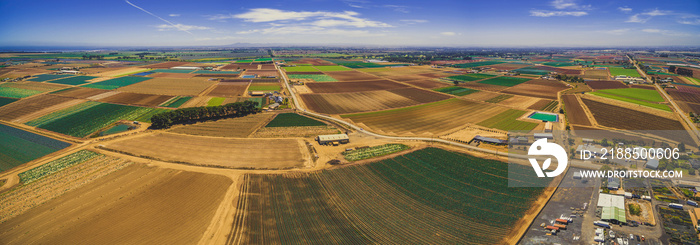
<point>374,151</point>
<point>62,113</point>
<point>85,122</point>
<point>56,165</point>
<point>507,121</point>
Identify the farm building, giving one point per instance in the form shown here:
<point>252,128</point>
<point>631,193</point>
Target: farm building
<point>489,140</point>
<point>613,183</point>
<point>256,93</point>
<point>612,207</point>
<point>543,136</point>
<point>186,68</point>
<point>653,163</point>
<point>333,139</point>
<point>68,72</point>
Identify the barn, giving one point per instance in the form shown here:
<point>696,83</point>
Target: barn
<point>333,139</point>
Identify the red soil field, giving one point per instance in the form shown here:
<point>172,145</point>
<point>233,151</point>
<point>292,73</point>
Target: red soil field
<point>429,84</point>
<point>574,110</point>
<point>345,87</point>
<point>137,99</point>
<point>596,85</point>
<point>80,92</point>
<point>166,64</point>
<point>342,103</point>
<point>350,75</point>
<point>539,88</point>
<point>228,89</point>
<point>684,96</point>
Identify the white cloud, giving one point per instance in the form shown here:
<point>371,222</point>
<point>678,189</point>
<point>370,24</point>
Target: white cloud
<point>174,15</point>
<point>181,27</point>
<point>398,8</point>
<point>625,9</point>
<point>322,18</point>
<point>569,4</point>
<point>657,12</point>
<point>666,32</point>
<point>547,13</point>
<point>414,21</point>
<point>689,21</point>
<point>448,33</point>
<point>646,16</point>
<point>636,19</point>
<point>651,30</point>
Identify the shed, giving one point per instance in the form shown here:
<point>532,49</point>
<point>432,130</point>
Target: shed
<point>490,140</point>
<point>653,163</point>
<point>543,136</point>
<point>331,138</point>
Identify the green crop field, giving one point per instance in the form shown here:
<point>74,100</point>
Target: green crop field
<point>402,200</point>
<point>374,151</point>
<point>332,68</point>
<point>532,70</point>
<point>505,81</point>
<point>315,77</point>
<point>253,87</point>
<point>146,117</point>
<point>293,120</point>
<point>85,122</point>
<point>216,101</point>
<point>62,113</point>
<point>47,77</point>
<point>18,146</point>
<point>176,102</point>
<point>478,63</point>
<point>644,97</point>
<point>301,68</point>
<point>171,71</point>
<point>133,72</point>
<point>116,82</point>
<point>16,93</point>
<point>54,166</point>
<point>470,77</point>
<point>76,80</point>
<point>507,121</point>
<point>244,61</point>
<point>454,90</point>
<point>4,101</point>
<point>617,71</point>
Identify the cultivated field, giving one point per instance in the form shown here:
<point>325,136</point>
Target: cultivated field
<point>546,89</point>
<point>595,74</point>
<point>18,146</point>
<point>428,119</point>
<point>170,86</point>
<point>229,89</point>
<point>341,103</point>
<point>85,121</point>
<point>239,127</point>
<point>288,132</point>
<point>505,81</point>
<point>166,65</point>
<point>31,107</point>
<point>117,82</point>
<point>415,200</point>
<point>136,99</point>
<point>574,110</point>
<point>617,71</point>
<point>426,83</point>
<point>347,76</point>
<point>507,121</point>
<point>215,151</point>
<point>79,92</point>
<point>605,84</point>
<point>137,204</point>
<point>347,87</point>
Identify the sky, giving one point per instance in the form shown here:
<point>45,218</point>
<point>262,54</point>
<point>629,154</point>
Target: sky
<point>467,23</point>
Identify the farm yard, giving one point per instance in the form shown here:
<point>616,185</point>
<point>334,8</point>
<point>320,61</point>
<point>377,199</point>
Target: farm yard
<point>405,206</point>
<point>427,119</point>
<point>18,146</point>
<point>215,151</point>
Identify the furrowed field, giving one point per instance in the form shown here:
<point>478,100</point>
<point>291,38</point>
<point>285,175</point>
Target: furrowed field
<point>423,197</point>
<point>84,122</point>
<point>117,82</point>
<point>507,121</point>
<point>18,146</point>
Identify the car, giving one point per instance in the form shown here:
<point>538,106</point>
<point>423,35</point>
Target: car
<point>638,238</point>
<point>643,238</point>
<point>631,237</point>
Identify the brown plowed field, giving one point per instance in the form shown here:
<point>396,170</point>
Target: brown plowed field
<point>137,99</point>
<point>350,76</point>
<point>405,78</point>
<point>482,86</point>
<point>595,74</point>
<point>648,87</point>
<point>135,205</point>
<point>229,89</point>
<point>539,104</point>
<point>43,87</point>
<point>239,127</point>
<point>236,66</point>
<point>429,84</point>
<point>263,80</point>
<point>172,75</point>
<point>166,64</point>
<point>216,151</point>
<point>169,86</point>
<point>540,88</point>
<point>434,75</point>
<point>520,102</point>
<point>623,118</point>
<point>262,73</point>
<point>341,103</point>
<point>347,87</point>
<point>420,95</point>
<point>684,96</point>
<point>595,133</point>
<point>689,107</point>
<point>429,119</point>
<point>574,110</point>
<point>80,92</point>
<point>316,62</point>
<point>605,84</point>
<point>24,107</point>
<point>481,96</point>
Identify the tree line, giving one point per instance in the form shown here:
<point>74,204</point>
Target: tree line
<point>204,113</point>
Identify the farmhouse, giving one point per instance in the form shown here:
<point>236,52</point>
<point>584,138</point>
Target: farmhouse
<point>612,207</point>
<point>333,139</point>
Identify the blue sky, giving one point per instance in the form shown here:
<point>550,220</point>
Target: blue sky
<point>355,22</point>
